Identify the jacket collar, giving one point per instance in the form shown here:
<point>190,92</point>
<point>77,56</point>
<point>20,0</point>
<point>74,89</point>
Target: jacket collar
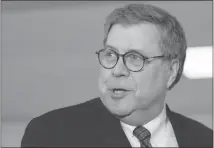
<point>182,135</point>
<point>109,130</point>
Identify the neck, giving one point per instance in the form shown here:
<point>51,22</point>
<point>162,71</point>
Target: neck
<point>143,116</point>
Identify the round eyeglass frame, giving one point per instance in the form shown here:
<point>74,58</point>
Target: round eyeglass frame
<point>145,59</point>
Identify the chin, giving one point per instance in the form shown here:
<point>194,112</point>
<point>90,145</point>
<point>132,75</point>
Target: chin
<point>120,108</point>
<point>121,114</point>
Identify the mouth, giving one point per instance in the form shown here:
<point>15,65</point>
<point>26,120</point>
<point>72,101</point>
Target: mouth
<point>119,93</point>
<point>119,90</point>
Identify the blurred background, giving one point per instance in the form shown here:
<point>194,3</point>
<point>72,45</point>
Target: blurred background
<point>49,61</point>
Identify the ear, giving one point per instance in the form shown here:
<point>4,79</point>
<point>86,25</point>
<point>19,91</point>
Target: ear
<point>173,70</point>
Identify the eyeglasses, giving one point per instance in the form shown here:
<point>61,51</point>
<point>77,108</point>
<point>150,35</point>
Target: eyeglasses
<point>133,61</point>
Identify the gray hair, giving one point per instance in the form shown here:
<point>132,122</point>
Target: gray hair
<point>172,43</point>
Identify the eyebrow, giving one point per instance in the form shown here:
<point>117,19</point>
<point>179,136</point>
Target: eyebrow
<point>129,50</point>
<point>109,46</point>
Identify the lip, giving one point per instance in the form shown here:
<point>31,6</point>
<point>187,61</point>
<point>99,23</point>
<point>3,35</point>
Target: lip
<point>118,95</point>
<point>127,89</point>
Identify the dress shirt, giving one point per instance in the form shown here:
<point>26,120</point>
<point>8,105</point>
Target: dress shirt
<point>162,133</point>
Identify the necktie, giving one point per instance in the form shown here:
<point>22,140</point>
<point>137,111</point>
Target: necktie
<point>143,136</point>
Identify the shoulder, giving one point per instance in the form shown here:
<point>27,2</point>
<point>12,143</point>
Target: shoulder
<point>197,132</point>
<point>191,123</point>
<point>57,127</point>
<point>71,114</point>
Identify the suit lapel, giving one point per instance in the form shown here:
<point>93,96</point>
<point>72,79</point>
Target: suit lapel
<point>180,129</point>
<point>109,131</point>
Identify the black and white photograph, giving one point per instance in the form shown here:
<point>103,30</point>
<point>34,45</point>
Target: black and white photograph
<point>106,74</point>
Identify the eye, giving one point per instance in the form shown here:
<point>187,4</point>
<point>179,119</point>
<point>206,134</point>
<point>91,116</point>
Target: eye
<point>110,53</point>
<point>134,56</point>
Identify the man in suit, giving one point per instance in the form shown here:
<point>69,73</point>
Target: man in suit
<point>142,59</point>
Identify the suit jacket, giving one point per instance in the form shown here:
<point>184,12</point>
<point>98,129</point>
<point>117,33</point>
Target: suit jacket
<point>91,124</point>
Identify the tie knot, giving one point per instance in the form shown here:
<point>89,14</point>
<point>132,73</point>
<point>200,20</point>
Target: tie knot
<point>142,133</point>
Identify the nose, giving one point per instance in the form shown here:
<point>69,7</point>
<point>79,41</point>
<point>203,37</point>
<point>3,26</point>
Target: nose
<point>120,69</point>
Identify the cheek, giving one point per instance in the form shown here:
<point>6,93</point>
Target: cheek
<point>104,75</point>
<point>149,82</point>
<point>144,84</point>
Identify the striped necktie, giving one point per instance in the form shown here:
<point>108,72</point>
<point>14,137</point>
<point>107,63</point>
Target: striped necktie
<point>143,135</point>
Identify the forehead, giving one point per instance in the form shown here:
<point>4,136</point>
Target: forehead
<point>142,37</point>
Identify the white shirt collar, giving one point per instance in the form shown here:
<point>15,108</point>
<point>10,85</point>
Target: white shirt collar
<point>162,134</point>
<point>153,126</point>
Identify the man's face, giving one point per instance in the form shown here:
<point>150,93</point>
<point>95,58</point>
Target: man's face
<point>144,88</point>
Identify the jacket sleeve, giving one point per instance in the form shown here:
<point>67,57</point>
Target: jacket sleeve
<point>36,134</point>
